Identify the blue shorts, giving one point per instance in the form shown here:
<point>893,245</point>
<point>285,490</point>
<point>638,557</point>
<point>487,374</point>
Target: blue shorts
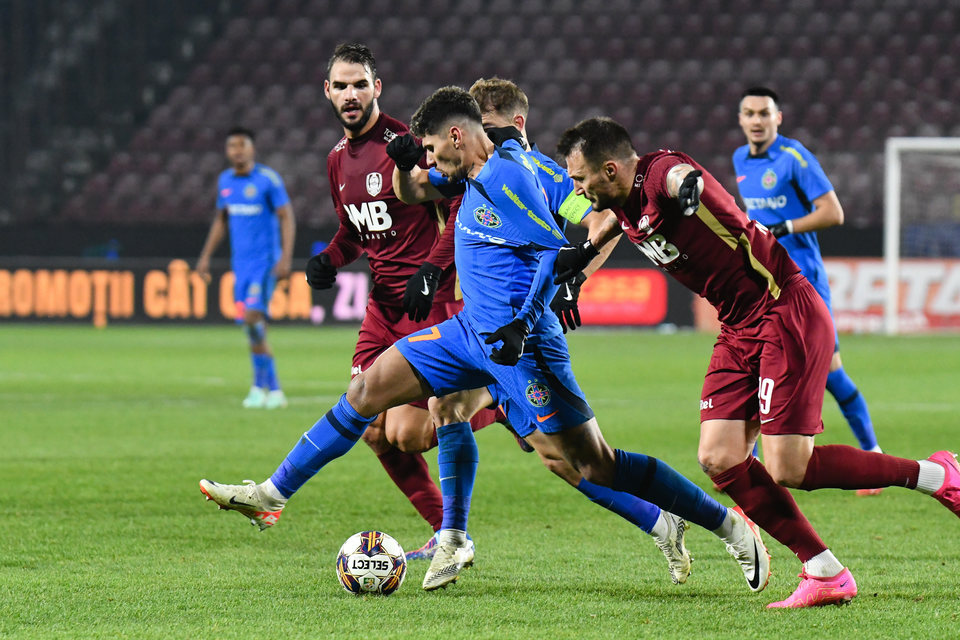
<point>253,287</point>
<point>540,392</point>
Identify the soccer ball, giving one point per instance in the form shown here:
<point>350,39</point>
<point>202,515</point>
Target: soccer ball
<point>371,562</point>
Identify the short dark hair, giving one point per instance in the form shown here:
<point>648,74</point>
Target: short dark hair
<point>598,139</point>
<point>764,92</point>
<point>240,131</point>
<point>356,53</point>
<point>502,96</point>
<point>444,104</point>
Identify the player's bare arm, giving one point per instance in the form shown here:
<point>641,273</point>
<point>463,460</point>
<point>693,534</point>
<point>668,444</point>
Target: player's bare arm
<point>675,179</point>
<point>218,229</point>
<point>603,232</point>
<point>288,232</point>
<point>826,213</point>
<point>414,186</point>
<point>685,184</point>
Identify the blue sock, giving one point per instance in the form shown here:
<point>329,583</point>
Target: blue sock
<point>457,459</point>
<point>270,373</point>
<point>331,437</point>
<point>631,508</point>
<point>853,407</point>
<point>259,369</point>
<point>756,449</point>
<point>656,481</point>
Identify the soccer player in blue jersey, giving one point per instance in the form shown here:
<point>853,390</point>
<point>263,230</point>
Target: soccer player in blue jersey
<point>252,203</point>
<point>504,107</point>
<point>784,188</point>
<point>506,247</point>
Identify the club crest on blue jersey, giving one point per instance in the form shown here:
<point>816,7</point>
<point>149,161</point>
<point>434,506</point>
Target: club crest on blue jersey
<point>769,179</point>
<point>374,183</point>
<point>487,217</point>
<point>250,191</point>
<point>537,394</point>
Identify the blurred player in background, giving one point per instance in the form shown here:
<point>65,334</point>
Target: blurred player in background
<point>253,203</point>
<point>504,108</point>
<point>771,359</point>
<point>784,188</point>
<point>414,282</point>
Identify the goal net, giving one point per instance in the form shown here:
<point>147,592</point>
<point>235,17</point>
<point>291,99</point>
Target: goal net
<point>921,234</point>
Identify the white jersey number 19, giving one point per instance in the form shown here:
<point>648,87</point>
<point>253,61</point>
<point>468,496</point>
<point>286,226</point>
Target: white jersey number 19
<point>765,393</point>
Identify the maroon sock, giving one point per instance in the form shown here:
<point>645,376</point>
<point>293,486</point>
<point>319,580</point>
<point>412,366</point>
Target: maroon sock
<point>409,471</point>
<point>770,506</point>
<point>837,466</point>
<point>483,418</point>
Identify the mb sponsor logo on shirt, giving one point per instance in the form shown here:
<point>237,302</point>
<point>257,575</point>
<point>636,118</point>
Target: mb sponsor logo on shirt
<point>369,216</point>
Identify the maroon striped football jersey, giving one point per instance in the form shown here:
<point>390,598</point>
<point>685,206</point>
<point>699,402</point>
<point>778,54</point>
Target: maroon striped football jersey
<point>396,237</point>
<point>718,253</point>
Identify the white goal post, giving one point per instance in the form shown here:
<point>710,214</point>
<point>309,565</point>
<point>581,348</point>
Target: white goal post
<point>893,162</point>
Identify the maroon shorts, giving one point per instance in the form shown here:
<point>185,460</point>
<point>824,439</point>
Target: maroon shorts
<point>775,370</point>
<point>383,325</point>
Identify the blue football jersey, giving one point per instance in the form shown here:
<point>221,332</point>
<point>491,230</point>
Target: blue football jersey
<point>506,241</point>
<point>562,198</point>
<point>251,202</point>
<point>782,184</point>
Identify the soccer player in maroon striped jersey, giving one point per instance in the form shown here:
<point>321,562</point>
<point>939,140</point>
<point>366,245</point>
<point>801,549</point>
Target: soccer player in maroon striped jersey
<point>413,277</point>
<point>769,366</point>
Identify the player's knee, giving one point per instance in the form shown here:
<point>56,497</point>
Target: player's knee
<point>785,473</point>
<point>597,474</point>
<point>256,332</point>
<point>376,438</point>
<point>359,395</point>
<point>447,410</point>
<point>413,439</point>
<point>595,466</point>
<point>713,461</point>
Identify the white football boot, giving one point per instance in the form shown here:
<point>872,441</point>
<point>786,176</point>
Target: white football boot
<point>246,498</point>
<point>447,563</point>
<point>672,546</point>
<point>275,400</point>
<point>256,399</point>
<point>748,550</point>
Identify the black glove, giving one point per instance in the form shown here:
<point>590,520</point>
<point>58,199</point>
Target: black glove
<point>565,303</point>
<point>405,151</point>
<point>689,193</point>
<point>499,135</point>
<point>320,273</point>
<point>571,260</point>
<point>421,288</point>
<point>514,335</point>
<point>781,228</point>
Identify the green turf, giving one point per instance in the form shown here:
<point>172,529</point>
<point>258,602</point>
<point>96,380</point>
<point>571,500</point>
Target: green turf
<point>104,434</point>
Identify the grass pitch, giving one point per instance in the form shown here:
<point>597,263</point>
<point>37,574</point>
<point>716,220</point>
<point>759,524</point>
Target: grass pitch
<point>104,434</point>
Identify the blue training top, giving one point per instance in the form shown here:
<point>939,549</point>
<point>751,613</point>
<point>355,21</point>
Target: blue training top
<point>251,202</point>
<point>780,185</point>
<point>562,198</point>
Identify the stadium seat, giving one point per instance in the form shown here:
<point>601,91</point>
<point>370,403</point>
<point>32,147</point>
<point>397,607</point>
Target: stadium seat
<point>863,64</point>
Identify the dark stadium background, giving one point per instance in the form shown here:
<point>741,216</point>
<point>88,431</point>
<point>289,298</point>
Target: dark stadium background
<point>112,112</point>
